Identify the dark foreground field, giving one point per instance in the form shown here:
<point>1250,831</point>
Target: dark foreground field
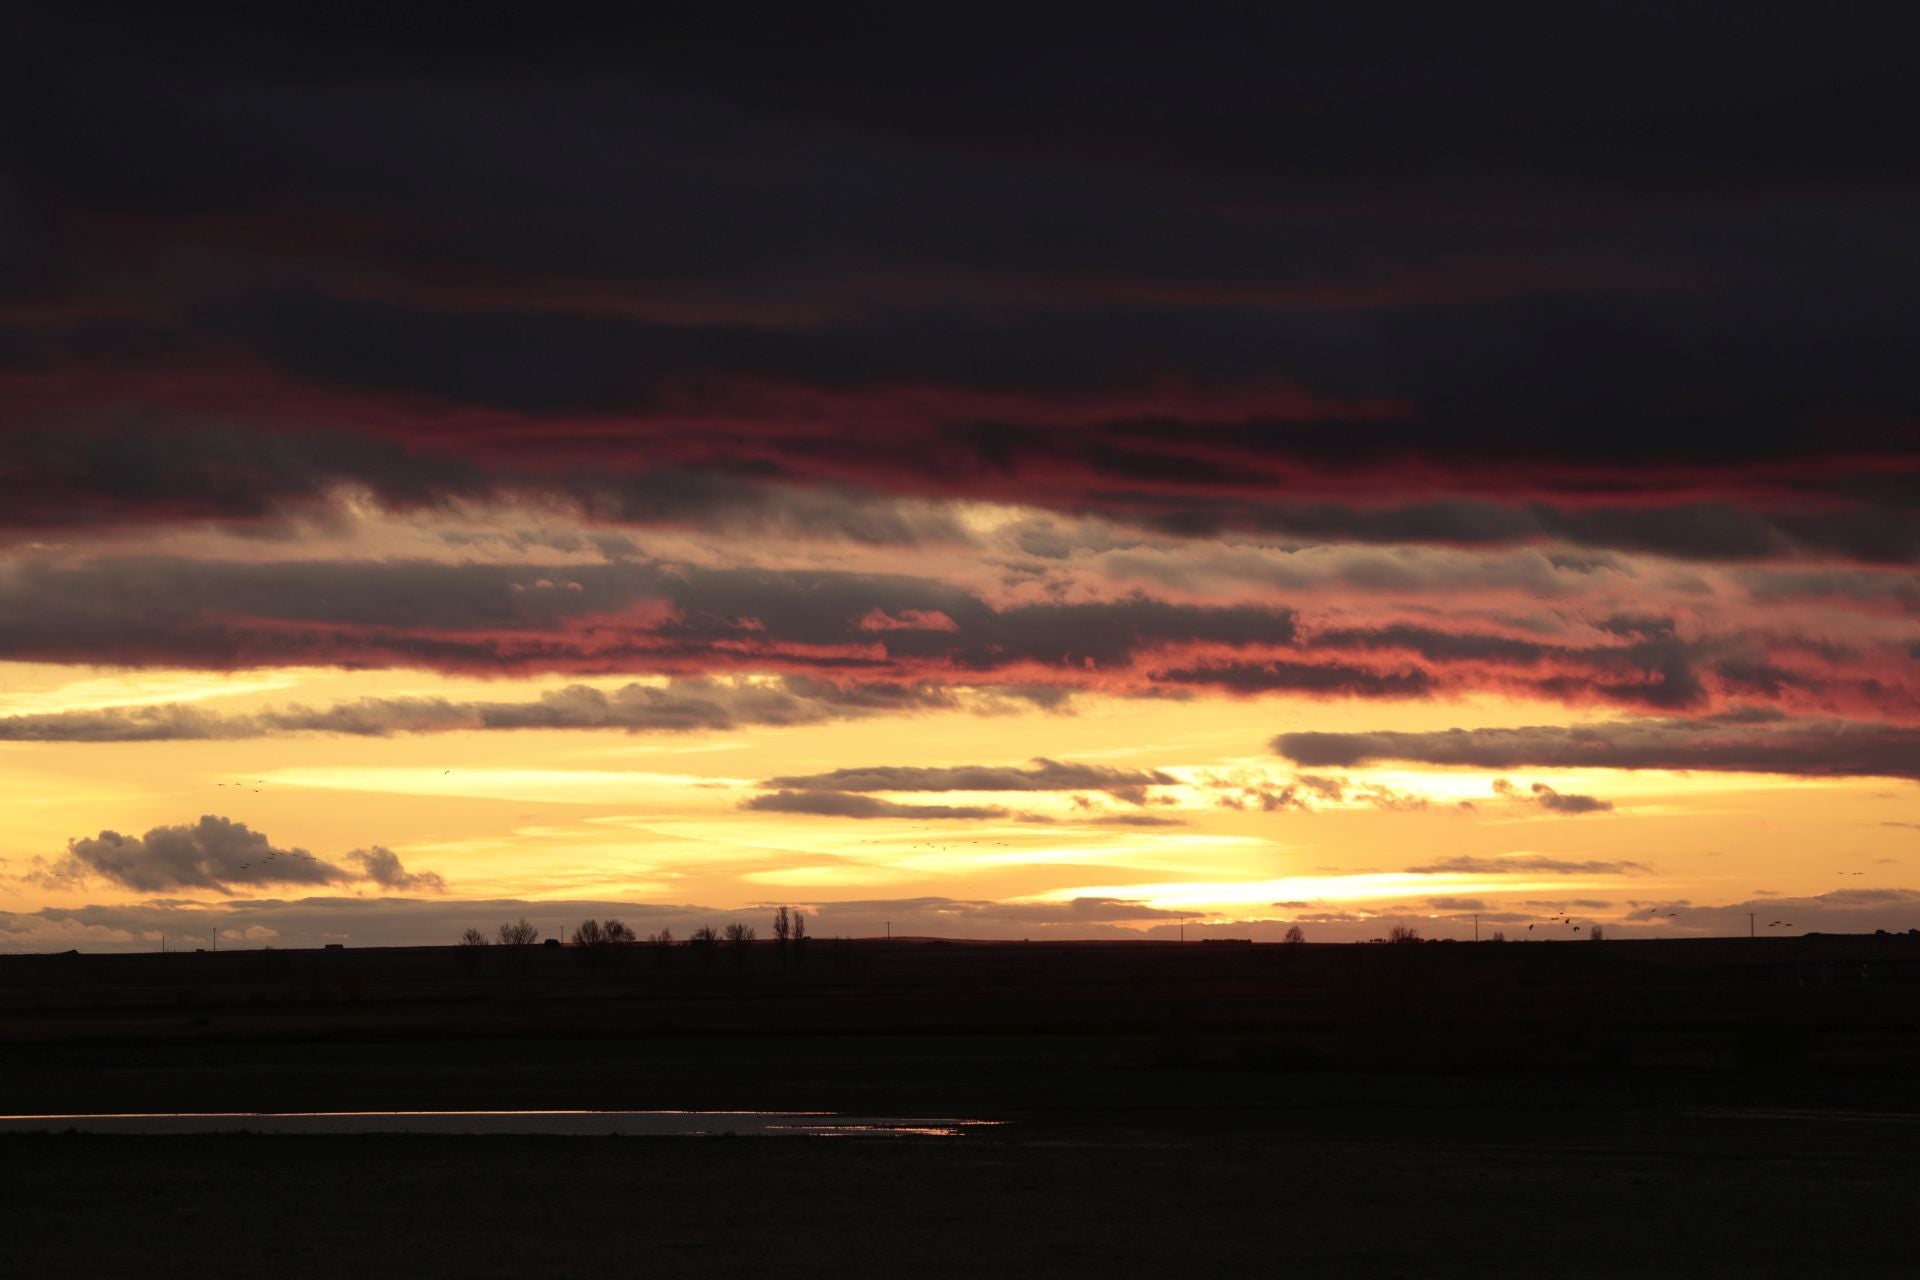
<point>1391,1193</point>
<point>1575,1109</point>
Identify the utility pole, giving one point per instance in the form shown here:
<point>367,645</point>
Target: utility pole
<point>889,925</point>
<point>1749,924</point>
<point>216,939</point>
<point>1476,926</point>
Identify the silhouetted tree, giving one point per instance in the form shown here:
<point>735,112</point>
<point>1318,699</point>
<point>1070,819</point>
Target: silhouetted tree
<point>739,937</point>
<point>661,944</point>
<point>1596,934</point>
<point>783,932</point>
<point>1403,933</point>
<point>1498,936</point>
<point>1296,935</point>
<point>615,939</point>
<point>799,936</point>
<point>470,943</point>
<point>518,934</point>
<point>590,942</point>
<point>704,941</point>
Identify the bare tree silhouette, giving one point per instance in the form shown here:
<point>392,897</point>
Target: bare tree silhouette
<point>520,936</point>
<point>1596,934</point>
<point>783,932</point>
<point>602,941</point>
<point>470,943</point>
<point>740,937</point>
<point>704,941</point>
<point>1295,935</point>
<point>1403,933</point>
<point>590,943</point>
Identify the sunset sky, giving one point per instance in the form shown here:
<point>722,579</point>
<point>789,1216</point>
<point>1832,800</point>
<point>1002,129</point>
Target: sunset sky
<point>1009,481</point>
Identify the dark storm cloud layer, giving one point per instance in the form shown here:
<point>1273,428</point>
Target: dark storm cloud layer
<point>1388,276</point>
<point>608,617</point>
<point>882,639</point>
<point>1740,744</point>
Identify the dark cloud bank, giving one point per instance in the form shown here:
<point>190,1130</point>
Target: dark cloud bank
<point>1397,275</point>
<point>1739,744</point>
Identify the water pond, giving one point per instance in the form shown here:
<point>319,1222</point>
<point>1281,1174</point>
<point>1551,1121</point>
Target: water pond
<point>689,1124</point>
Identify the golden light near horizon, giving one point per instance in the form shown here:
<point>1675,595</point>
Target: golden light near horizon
<point>556,815</point>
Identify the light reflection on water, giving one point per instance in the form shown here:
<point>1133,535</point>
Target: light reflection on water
<point>690,1124</point>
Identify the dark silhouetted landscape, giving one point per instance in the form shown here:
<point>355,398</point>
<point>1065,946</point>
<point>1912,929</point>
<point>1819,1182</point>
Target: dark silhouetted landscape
<point>1710,1106</point>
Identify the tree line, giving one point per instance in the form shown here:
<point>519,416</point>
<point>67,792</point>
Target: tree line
<point>597,940</point>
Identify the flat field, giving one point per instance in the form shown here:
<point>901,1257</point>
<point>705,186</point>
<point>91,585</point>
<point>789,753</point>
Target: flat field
<point>1566,1109</point>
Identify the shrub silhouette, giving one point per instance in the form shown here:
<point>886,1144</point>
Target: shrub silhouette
<point>1403,933</point>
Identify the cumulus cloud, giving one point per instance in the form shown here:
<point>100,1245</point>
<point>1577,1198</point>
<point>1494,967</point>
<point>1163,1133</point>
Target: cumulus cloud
<point>215,853</point>
<point>381,866</point>
<point>220,855</point>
